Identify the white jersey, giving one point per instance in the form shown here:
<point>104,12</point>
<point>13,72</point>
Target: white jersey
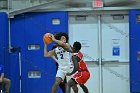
<point>64,58</point>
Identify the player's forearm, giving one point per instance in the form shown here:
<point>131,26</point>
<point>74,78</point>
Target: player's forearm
<point>74,70</point>
<point>75,63</point>
<point>64,45</point>
<point>60,43</point>
<point>45,51</point>
<point>57,41</point>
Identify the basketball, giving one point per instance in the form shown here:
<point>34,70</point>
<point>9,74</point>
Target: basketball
<point>47,38</point>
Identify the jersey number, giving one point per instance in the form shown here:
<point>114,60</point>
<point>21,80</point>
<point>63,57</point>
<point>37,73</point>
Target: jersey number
<point>61,55</point>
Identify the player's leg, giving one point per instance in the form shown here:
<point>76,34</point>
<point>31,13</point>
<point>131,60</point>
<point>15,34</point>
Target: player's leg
<point>82,80</point>
<point>62,85</point>
<point>59,78</point>
<point>72,83</point>
<point>56,84</point>
<point>85,89</point>
<point>75,88</point>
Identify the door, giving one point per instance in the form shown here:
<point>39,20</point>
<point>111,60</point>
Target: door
<point>85,30</point>
<point>115,53</point>
<point>106,51</point>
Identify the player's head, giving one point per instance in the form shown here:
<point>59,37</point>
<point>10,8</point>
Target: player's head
<point>77,46</point>
<point>62,36</point>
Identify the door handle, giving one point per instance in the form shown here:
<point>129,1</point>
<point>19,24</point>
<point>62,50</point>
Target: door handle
<point>104,61</point>
<point>14,49</point>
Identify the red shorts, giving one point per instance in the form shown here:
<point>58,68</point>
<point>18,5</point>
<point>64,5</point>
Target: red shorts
<point>81,77</point>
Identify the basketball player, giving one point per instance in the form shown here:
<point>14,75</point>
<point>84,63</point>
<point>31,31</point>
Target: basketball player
<point>80,67</point>
<point>62,85</point>
<point>63,58</point>
<point>83,74</point>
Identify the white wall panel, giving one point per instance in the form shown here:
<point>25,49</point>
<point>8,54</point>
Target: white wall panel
<point>85,31</point>
<point>115,34</point>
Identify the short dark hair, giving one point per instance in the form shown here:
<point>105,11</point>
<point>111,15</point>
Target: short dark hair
<point>77,45</point>
<point>59,35</point>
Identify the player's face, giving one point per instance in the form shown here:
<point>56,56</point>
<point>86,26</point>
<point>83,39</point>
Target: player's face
<point>63,39</point>
<point>73,49</point>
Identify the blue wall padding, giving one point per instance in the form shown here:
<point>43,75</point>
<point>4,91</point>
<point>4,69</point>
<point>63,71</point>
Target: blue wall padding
<point>29,29</point>
<point>134,48</point>
<point>4,56</point>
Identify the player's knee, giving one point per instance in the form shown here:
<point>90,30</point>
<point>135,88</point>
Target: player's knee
<point>81,85</point>
<point>75,89</point>
<point>70,84</point>
<point>57,82</point>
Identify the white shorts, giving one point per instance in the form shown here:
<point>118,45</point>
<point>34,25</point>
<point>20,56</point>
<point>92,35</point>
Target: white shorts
<point>62,73</point>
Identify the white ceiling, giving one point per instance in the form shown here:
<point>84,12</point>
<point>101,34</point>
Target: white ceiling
<point>72,5</point>
<point>107,3</point>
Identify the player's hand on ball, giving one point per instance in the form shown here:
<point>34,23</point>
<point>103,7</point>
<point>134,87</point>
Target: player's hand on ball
<point>47,38</point>
<point>52,37</point>
<point>45,43</point>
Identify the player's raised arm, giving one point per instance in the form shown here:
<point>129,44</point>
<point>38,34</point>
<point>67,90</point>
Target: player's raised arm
<point>66,46</point>
<point>75,60</point>
<point>46,53</point>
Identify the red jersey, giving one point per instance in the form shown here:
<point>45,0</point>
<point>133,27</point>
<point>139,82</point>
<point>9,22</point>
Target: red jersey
<point>81,65</point>
<point>83,74</point>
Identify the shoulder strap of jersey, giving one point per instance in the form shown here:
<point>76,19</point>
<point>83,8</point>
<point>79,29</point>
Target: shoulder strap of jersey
<point>78,54</point>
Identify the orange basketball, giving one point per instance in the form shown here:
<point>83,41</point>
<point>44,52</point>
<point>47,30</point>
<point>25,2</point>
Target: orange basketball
<point>47,38</point>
